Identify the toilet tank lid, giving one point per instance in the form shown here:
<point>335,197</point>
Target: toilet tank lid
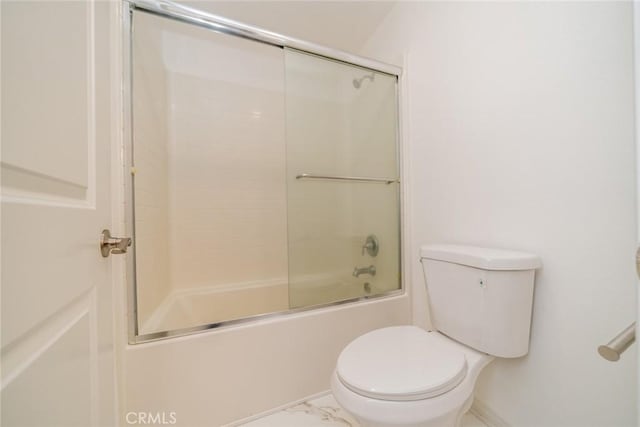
<point>483,258</point>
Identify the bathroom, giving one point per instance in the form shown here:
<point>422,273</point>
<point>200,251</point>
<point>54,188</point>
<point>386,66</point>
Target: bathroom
<point>515,128</point>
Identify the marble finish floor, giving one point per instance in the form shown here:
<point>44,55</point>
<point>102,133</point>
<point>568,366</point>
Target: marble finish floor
<point>324,411</point>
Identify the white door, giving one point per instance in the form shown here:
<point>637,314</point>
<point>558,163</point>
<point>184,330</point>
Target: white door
<point>636,48</point>
<point>56,300</point>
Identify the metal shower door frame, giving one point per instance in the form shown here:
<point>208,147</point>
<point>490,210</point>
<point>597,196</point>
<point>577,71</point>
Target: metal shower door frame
<point>185,14</point>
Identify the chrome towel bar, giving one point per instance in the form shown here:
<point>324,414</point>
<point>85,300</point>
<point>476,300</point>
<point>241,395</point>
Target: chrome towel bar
<point>346,178</point>
<point>619,344</point>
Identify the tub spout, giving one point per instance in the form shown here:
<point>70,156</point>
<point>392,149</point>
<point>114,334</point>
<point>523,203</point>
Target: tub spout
<point>371,270</point>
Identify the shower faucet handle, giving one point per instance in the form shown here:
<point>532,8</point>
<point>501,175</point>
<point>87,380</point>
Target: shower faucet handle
<point>371,245</point>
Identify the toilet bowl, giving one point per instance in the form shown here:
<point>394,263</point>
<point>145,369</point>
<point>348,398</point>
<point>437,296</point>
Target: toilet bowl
<point>410,378</point>
<point>480,305</point>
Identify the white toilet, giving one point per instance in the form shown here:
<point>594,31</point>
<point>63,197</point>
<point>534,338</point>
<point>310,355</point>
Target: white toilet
<point>480,302</point>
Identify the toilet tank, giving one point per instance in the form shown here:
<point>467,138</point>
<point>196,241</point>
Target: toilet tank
<point>481,297</point>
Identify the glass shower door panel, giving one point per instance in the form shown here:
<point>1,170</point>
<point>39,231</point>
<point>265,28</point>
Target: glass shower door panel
<point>343,233</point>
<point>209,157</point>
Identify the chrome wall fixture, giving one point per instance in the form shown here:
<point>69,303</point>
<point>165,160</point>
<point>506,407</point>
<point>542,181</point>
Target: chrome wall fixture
<point>370,270</point>
<point>618,344</point>
<point>357,83</point>
<point>371,246</point>
<point>624,339</point>
<point>188,15</point>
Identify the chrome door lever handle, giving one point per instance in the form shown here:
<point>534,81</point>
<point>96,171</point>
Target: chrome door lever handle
<point>113,245</point>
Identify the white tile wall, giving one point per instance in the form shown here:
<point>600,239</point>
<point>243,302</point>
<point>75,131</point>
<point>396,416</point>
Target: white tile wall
<point>227,159</point>
<point>209,152</point>
<point>152,167</point>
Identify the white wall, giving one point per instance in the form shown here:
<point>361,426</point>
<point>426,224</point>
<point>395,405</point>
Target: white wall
<point>521,123</point>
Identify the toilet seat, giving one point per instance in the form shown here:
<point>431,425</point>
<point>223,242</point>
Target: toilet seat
<point>402,363</point>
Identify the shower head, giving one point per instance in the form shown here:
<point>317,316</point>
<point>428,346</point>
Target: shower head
<point>358,82</point>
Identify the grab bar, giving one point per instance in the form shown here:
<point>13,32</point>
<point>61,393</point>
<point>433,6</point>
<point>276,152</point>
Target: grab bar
<point>619,344</point>
<point>346,178</point>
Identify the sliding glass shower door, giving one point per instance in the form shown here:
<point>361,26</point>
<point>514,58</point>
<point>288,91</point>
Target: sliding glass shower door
<point>209,158</point>
<point>263,179</point>
<point>342,180</point>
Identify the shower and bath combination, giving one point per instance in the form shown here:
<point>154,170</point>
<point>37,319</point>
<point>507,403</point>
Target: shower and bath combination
<point>287,190</point>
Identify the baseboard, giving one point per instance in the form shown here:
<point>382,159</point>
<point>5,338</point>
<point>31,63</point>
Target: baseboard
<point>487,415</point>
